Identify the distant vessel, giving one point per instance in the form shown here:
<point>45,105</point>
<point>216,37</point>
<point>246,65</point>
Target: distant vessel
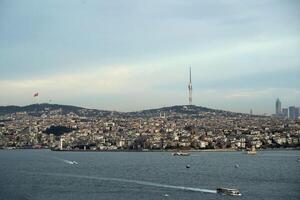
<point>252,151</point>
<point>180,153</point>
<point>71,162</point>
<point>228,191</point>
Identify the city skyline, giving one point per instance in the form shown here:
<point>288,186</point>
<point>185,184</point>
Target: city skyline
<point>128,55</point>
<point>290,111</point>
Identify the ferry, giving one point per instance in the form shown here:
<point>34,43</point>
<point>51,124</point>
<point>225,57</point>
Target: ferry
<point>180,153</point>
<point>228,191</point>
<point>252,151</point>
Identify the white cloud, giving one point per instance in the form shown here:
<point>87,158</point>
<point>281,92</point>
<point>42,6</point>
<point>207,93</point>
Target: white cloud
<point>108,80</point>
<point>155,47</point>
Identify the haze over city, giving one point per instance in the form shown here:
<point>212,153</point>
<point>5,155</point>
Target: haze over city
<point>133,55</point>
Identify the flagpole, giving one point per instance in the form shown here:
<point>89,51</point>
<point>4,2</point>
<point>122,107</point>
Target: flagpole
<point>34,98</point>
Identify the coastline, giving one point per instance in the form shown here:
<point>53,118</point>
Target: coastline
<point>158,150</point>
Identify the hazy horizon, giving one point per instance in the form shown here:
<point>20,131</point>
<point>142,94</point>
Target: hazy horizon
<point>134,55</point>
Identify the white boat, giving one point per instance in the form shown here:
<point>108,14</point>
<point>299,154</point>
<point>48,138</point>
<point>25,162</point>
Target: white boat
<point>252,151</point>
<point>71,162</point>
<point>229,191</point>
<point>180,153</point>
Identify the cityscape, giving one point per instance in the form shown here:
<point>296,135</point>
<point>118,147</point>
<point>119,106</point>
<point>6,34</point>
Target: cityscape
<point>186,127</point>
<point>292,112</point>
<point>151,99</point>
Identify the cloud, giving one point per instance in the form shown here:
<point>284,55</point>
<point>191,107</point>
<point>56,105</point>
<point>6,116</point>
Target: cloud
<point>104,80</point>
<point>244,94</point>
<point>127,55</point>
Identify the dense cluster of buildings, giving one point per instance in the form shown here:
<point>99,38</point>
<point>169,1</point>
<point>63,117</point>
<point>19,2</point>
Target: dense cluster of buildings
<point>167,130</point>
<point>292,112</point>
<point>177,127</point>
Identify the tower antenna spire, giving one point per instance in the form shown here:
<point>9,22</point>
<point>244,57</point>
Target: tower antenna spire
<point>190,87</point>
<point>190,74</point>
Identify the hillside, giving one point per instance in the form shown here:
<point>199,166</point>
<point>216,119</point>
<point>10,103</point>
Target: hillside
<point>191,110</point>
<point>178,110</point>
<point>38,109</point>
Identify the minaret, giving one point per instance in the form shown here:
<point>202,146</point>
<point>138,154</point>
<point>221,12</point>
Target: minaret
<point>190,88</point>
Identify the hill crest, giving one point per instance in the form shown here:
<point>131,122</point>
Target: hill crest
<point>39,109</point>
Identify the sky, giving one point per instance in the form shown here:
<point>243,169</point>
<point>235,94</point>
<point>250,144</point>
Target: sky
<point>129,55</point>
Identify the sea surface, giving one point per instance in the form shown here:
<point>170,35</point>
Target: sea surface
<point>52,175</point>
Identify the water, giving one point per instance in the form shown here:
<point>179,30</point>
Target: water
<point>43,174</point>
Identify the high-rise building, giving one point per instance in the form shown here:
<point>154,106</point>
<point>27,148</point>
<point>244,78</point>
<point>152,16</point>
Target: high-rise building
<point>292,112</point>
<point>190,88</point>
<point>285,112</point>
<point>278,107</point>
<point>297,113</point>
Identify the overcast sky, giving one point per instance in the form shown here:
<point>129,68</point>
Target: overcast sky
<point>130,54</point>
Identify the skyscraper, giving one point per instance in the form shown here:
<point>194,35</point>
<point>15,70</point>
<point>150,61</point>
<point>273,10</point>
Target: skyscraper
<point>190,88</point>
<point>278,107</point>
<point>294,112</point>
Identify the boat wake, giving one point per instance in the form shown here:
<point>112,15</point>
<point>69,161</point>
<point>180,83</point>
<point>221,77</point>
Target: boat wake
<point>66,161</point>
<point>130,181</point>
<point>70,162</point>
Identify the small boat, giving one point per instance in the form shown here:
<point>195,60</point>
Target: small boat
<point>72,162</point>
<point>187,166</point>
<point>252,151</point>
<point>229,191</point>
<point>179,153</point>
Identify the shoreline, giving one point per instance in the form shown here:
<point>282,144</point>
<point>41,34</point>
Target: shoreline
<point>148,150</point>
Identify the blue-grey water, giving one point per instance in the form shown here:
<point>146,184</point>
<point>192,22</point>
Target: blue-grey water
<point>49,175</point>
